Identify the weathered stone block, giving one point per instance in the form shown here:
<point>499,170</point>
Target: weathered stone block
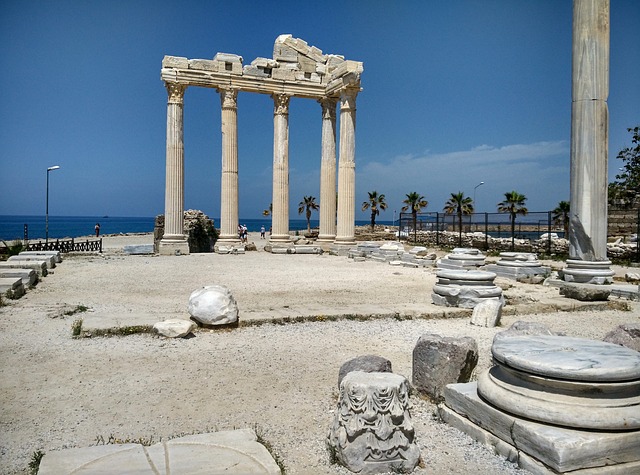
<point>204,65</point>
<point>438,361</point>
<point>585,292</point>
<point>174,328</point>
<point>213,305</point>
<point>176,62</point>
<point>366,363</point>
<point>627,334</point>
<point>487,313</point>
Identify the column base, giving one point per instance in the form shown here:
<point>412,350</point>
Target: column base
<point>229,239</point>
<point>280,238</point>
<point>173,247</point>
<point>326,238</point>
<point>345,240</point>
<point>588,272</point>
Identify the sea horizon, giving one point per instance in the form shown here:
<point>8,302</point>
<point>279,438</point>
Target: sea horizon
<point>12,227</point>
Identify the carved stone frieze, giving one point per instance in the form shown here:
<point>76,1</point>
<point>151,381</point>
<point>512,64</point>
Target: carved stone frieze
<point>228,98</point>
<point>372,430</point>
<point>281,104</point>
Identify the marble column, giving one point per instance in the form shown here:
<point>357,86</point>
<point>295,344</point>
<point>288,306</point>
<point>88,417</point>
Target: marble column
<point>588,261</point>
<point>174,240</point>
<point>229,182</point>
<point>347,167</point>
<point>328,171</point>
<point>280,213</point>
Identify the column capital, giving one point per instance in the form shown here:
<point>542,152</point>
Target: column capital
<point>228,97</point>
<point>281,104</point>
<point>348,98</point>
<point>328,107</point>
<point>176,92</point>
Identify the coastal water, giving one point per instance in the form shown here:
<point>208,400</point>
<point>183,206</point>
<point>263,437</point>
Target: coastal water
<point>13,227</point>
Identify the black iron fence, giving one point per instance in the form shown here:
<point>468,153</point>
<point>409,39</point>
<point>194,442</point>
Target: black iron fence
<point>66,245</point>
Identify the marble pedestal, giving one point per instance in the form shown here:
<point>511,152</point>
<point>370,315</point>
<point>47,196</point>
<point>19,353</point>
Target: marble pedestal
<point>173,247</point>
<point>555,404</point>
<point>462,258</point>
<point>519,266</point>
<point>588,272</point>
<point>464,288</point>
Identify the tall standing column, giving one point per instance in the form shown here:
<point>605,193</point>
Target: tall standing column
<point>280,213</point>
<point>589,142</point>
<point>328,171</point>
<point>174,241</point>
<point>229,180</point>
<point>347,167</point>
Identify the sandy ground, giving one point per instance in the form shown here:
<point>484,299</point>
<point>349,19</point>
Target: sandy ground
<point>58,392</point>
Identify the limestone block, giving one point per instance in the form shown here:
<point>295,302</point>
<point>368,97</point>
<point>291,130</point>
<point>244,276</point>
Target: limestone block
<point>438,361</point>
<point>284,54</point>
<point>56,254</point>
<point>174,328</point>
<point>264,63</point>
<point>307,65</point>
<point>29,276</point>
<point>487,313</point>
<point>213,305</point>
<point>627,334</point>
<point>633,277</point>
<point>136,249</point>
<point>227,58</point>
<point>175,62</point>
<point>311,77</point>
<point>204,65</point>
<point>39,266</point>
<point>366,363</point>
<point>333,61</point>
<point>283,74</point>
<point>11,287</point>
<point>254,71</point>
<point>372,430</point>
<point>585,292</point>
<point>321,69</point>
<point>50,261</point>
<point>317,55</point>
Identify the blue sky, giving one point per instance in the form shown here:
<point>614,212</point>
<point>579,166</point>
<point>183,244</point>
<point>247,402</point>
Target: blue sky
<point>454,93</point>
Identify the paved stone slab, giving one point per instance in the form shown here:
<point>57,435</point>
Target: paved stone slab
<point>39,266</point>
<point>226,452</point>
<point>49,260</point>
<point>11,287</point>
<point>136,249</point>
<point>560,448</point>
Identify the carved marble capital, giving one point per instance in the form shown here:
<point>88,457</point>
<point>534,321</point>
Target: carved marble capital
<point>281,104</point>
<point>228,98</point>
<point>348,98</point>
<point>328,107</point>
<point>176,92</point>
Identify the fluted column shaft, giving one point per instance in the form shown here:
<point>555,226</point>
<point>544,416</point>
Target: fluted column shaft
<point>229,181</point>
<point>589,130</point>
<point>347,167</point>
<point>280,213</point>
<point>328,171</point>
<point>174,185</point>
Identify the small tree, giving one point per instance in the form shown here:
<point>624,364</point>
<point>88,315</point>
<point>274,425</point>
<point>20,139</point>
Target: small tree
<point>460,205</point>
<point>626,188</point>
<point>375,203</point>
<point>513,204</point>
<point>560,216</point>
<point>307,204</point>
<point>415,202</point>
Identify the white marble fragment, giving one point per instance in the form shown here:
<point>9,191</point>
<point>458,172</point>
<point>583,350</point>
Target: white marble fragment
<point>213,305</point>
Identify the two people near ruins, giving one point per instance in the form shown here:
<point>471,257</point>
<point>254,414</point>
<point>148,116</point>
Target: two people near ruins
<point>242,232</point>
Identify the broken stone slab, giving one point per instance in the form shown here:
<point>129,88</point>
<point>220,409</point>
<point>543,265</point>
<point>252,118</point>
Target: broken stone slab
<point>632,277</point>
<point>440,360</point>
<point>136,249</point>
<point>175,62</point>
<point>55,254</point>
<point>464,288</point>
<point>487,313</point>
<point>213,305</point>
<point>234,452</point>
<point>585,292</point>
<point>174,328</point>
<point>29,276</point>
<point>306,249</point>
<point>627,334</point>
<point>204,65</point>
<point>366,363</point>
<point>39,266</point>
<point>560,449</point>
<point>50,261</point>
<point>373,432</point>
<point>12,287</point>
<point>525,328</point>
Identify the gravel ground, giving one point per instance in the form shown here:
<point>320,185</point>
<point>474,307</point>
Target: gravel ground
<point>59,392</point>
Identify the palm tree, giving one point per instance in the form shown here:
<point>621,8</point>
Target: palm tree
<point>513,204</point>
<point>561,216</point>
<point>307,204</point>
<point>459,204</point>
<point>375,203</point>
<point>415,202</point>
<point>267,212</point>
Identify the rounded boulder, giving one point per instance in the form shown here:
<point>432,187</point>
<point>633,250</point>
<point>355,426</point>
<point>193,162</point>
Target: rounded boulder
<point>213,305</point>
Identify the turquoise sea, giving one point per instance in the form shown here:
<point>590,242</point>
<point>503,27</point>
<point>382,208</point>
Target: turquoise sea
<point>13,227</point>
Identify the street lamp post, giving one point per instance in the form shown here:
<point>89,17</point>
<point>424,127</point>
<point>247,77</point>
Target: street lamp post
<point>46,219</point>
<point>474,193</point>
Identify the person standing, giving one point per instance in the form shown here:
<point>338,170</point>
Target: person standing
<point>97,228</point>
<point>262,231</point>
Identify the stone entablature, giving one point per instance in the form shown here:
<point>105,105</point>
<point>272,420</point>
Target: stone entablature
<point>297,69</point>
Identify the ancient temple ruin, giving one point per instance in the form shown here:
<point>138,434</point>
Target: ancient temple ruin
<point>296,70</point>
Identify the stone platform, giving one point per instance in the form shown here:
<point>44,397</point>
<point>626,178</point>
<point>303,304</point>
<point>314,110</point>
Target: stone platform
<point>464,288</point>
<point>519,266</point>
<point>226,452</point>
